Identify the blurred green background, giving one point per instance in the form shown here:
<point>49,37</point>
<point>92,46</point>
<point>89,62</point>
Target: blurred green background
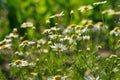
<point>14,12</point>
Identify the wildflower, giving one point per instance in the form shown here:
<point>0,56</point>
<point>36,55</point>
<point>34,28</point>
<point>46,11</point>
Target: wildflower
<point>57,77</point>
<point>19,63</point>
<point>5,46</point>
<point>54,29</point>
<point>89,27</point>
<point>57,15</point>
<point>41,41</point>
<point>58,47</point>
<point>55,36</point>
<point>115,31</point>
<point>33,73</point>
<point>85,8</point>
<point>12,35</point>
<point>72,26</point>
<point>100,26</point>
<point>109,12</point>
<point>74,38</point>
<point>91,77</point>
<point>86,37</point>
<point>86,21</point>
<point>70,29</point>
<point>26,43</point>
<point>5,41</point>
<point>32,64</point>
<point>98,3</point>
<point>47,31</point>
<point>27,24</point>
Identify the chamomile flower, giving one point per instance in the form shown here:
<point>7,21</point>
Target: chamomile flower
<point>86,37</point>
<point>57,77</point>
<point>58,47</point>
<point>91,77</point>
<point>57,15</point>
<point>8,46</point>
<point>109,12</point>
<point>98,3</point>
<point>33,73</point>
<point>12,35</point>
<point>19,63</point>
<point>85,8</point>
<point>54,36</point>
<point>74,38</point>
<point>5,41</point>
<point>69,29</point>
<point>54,29</point>
<point>89,27</point>
<point>27,24</point>
<point>100,26</point>
<point>115,31</point>
<point>26,43</point>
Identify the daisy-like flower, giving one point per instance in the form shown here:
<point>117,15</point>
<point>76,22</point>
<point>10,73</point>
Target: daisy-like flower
<point>89,27</point>
<point>5,46</point>
<point>55,36</point>
<point>57,77</point>
<point>5,41</point>
<point>57,15</point>
<point>74,38</point>
<point>70,29</point>
<point>86,21</point>
<point>33,73</point>
<point>27,24</point>
<point>91,77</point>
<point>100,26</point>
<point>58,47</point>
<point>115,31</point>
<point>26,43</point>
<point>54,29</point>
<point>12,35</point>
<point>19,63</point>
<point>47,31</point>
<point>98,3</point>
<point>85,8</point>
<point>86,37</point>
<point>109,12</point>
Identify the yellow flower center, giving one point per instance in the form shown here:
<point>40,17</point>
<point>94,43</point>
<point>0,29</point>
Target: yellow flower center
<point>2,47</point>
<point>57,77</point>
<point>25,42</point>
<point>18,61</point>
<point>85,7</point>
<point>58,48</point>
<point>72,26</point>
<point>56,15</point>
<point>89,26</point>
<point>3,42</point>
<point>116,28</point>
<point>100,24</point>
<point>92,79</point>
<point>32,73</point>
<point>74,36</point>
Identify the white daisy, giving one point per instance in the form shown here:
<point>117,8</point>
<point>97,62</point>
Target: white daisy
<point>58,47</point>
<point>91,77</point>
<point>57,77</point>
<point>115,31</point>
<point>26,43</point>
<point>27,24</point>
<point>85,8</point>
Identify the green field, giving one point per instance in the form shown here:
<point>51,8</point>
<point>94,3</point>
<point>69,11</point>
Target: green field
<point>59,40</point>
